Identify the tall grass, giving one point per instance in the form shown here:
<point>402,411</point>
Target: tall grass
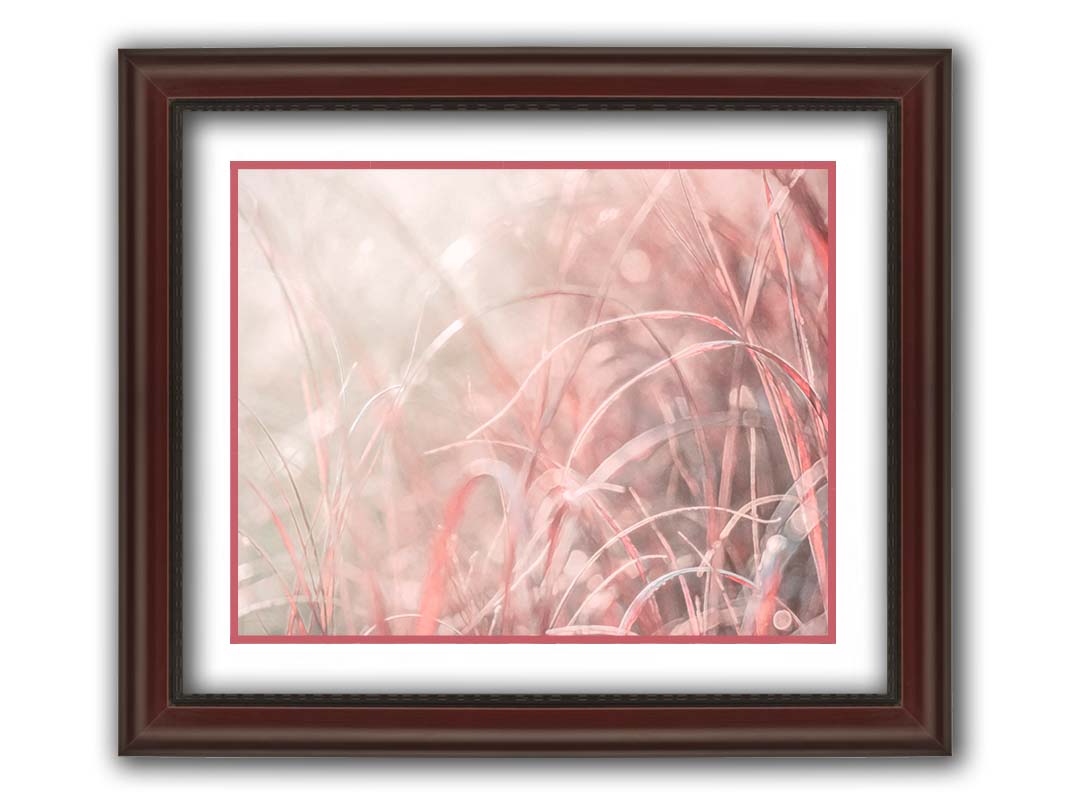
<point>566,402</point>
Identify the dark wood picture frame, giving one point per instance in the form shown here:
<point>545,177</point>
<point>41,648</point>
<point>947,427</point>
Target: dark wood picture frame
<point>156,715</point>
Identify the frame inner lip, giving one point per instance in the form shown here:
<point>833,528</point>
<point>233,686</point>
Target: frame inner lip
<point>176,650</point>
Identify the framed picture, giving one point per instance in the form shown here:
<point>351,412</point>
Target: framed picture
<point>534,401</point>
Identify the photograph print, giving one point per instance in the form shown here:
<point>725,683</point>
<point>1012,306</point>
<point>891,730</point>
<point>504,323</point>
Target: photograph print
<point>525,402</point>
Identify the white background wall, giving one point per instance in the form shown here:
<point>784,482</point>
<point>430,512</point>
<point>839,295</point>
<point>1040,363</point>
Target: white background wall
<point>57,312</point>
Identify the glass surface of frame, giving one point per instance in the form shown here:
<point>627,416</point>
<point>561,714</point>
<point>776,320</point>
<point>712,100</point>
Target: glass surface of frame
<point>851,661</point>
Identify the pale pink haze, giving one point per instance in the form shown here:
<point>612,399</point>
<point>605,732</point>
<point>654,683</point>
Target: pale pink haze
<point>582,402</point>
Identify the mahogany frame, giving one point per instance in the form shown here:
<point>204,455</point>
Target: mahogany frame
<point>156,715</point>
